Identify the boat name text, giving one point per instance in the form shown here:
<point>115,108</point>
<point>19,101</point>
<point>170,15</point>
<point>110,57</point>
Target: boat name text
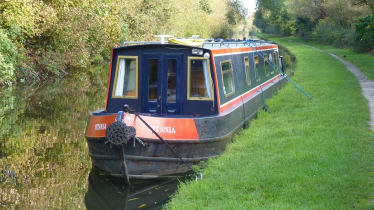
<point>100,126</point>
<point>162,129</point>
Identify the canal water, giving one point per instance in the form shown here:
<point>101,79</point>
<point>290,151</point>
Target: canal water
<point>44,160</point>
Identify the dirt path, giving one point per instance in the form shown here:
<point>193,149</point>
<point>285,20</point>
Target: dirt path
<point>367,85</point>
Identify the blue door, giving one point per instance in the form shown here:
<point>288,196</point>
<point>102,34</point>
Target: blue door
<point>162,83</point>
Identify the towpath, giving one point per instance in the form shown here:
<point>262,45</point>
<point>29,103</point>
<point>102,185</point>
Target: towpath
<point>367,85</point>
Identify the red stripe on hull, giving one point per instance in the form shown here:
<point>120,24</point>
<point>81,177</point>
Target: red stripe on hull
<point>167,128</point>
<point>245,95</point>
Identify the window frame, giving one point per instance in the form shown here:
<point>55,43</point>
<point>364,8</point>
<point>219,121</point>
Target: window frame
<point>275,61</point>
<point>232,74</point>
<point>189,97</point>
<point>136,77</point>
<point>266,64</point>
<point>247,70</point>
<point>256,65</point>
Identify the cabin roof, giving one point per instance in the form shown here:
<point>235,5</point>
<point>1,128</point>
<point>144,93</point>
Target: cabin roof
<point>210,45</point>
<point>235,44</point>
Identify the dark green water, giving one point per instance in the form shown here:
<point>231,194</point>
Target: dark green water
<point>44,160</point>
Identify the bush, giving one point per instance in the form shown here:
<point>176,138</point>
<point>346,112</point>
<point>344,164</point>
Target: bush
<point>330,33</point>
<point>364,34</point>
<point>273,30</point>
<point>9,59</point>
<point>288,31</point>
<point>56,37</point>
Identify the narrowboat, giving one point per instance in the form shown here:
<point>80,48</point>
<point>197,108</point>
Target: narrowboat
<point>194,94</point>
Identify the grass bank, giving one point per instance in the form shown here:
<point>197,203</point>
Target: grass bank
<point>363,61</point>
<point>301,153</point>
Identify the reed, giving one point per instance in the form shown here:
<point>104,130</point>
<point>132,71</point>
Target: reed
<point>300,153</point>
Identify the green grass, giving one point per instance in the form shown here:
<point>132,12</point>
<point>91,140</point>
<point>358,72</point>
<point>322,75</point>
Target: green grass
<point>301,153</point>
<point>364,62</point>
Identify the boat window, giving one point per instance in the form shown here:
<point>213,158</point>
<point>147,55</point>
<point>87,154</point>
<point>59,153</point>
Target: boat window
<point>172,80</point>
<point>266,64</point>
<point>126,79</point>
<point>199,80</point>
<point>247,71</point>
<point>275,59</point>
<point>257,69</point>
<point>153,78</point>
<point>227,78</point>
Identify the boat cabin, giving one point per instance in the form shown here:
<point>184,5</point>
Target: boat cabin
<point>181,80</point>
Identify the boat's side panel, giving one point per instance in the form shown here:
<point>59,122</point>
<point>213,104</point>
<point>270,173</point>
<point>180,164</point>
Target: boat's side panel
<point>239,77</point>
<point>238,114</point>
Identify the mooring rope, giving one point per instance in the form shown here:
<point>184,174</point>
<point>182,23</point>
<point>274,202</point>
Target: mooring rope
<point>250,43</point>
<point>258,79</point>
<point>127,109</point>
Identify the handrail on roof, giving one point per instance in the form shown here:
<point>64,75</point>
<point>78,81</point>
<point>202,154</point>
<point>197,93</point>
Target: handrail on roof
<point>225,44</point>
<point>207,44</point>
<point>139,43</point>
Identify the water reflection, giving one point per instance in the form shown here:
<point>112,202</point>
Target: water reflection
<point>112,194</point>
<point>44,160</point>
<point>43,153</point>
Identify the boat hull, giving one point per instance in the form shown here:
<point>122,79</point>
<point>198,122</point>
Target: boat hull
<point>155,160</point>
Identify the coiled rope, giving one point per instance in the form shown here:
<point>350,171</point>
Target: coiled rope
<point>119,133</point>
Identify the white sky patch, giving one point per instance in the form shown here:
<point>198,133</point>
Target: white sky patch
<point>251,6</point>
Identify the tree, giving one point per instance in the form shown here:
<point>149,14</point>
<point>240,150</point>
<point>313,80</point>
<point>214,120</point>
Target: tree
<point>236,12</point>
<point>272,16</point>
<point>369,3</point>
<point>57,36</point>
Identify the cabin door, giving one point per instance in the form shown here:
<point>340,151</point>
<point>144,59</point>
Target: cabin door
<point>162,83</point>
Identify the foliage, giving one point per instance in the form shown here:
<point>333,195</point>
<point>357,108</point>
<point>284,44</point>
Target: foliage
<point>236,12</point>
<point>9,58</point>
<point>56,37</point>
<point>273,17</point>
<point>369,3</point>
<point>205,6</point>
<point>364,35</point>
<point>328,32</point>
<point>329,22</point>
